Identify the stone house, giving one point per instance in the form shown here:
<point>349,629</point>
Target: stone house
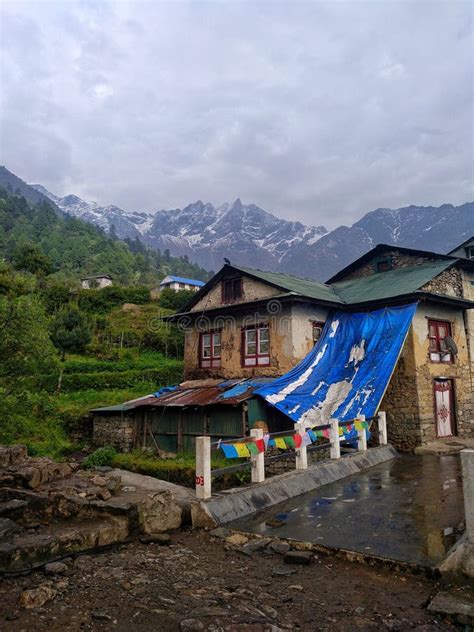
<point>248,325</point>
<point>96,282</point>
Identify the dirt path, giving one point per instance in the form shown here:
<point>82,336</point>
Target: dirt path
<point>151,587</point>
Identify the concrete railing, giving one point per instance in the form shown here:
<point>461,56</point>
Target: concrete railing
<point>256,462</point>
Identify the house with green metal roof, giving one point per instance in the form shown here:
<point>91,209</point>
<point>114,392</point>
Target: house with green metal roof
<point>245,326</point>
<point>246,323</point>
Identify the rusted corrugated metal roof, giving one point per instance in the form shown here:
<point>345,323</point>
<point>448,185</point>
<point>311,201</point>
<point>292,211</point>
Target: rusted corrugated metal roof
<point>195,393</point>
<point>230,393</point>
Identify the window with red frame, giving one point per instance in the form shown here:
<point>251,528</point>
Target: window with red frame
<point>437,332</point>
<point>231,290</point>
<point>210,350</point>
<point>256,346</point>
<point>317,330</point>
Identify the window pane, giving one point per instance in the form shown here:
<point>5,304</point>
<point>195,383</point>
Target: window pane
<point>442,331</point>
<point>432,330</point>
<point>264,346</point>
<point>264,334</point>
<point>216,339</point>
<point>433,344</point>
<point>251,335</point>
<point>251,348</point>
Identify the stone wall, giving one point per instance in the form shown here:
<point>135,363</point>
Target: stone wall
<point>400,401</point>
<point>399,260</point>
<point>253,290</point>
<point>409,399</point>
<point>426,371</point>
<point>116,430</point>
<point>449,282</point>
<point>291,332</point>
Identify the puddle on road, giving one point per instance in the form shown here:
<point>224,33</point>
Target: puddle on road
<point>409,509</point>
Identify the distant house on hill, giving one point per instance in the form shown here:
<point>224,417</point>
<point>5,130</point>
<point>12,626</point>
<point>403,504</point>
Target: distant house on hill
<point>96,282</point>
<point>179,283</point>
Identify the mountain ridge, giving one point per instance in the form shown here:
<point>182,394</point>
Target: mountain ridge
<point>251,236</point>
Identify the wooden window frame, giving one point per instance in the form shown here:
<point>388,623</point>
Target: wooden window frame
<point>257,359</point>
<point>317,324</point>
<point>438,350</point>
<point>234,297</point>
<point>213,361</point>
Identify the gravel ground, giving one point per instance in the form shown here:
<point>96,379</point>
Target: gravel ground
<point>199,582</point>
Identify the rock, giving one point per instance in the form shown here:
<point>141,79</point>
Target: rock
<point>256,545</point>
<point>297,587</point>
<point>104,494</point>
<point>7,528</point>
<point>103,469</point>
<point>281,571</point>
<point>191,625</point>
<point>55,568</point>
<point>237,539</point>
<point>100,615</point>
<point>37,597</point>
<point>163,539</point>
<point>279,547</point>
<point>201,517</point>
<point>298,557</point>
<point>159,512</point>
<point>457,606</point>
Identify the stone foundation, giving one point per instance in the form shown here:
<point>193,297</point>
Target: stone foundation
<point>116,430</point>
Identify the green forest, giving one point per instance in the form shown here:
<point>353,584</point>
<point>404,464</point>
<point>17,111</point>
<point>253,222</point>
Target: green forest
<point>65,350</point>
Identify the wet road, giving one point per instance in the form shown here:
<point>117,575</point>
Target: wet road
<point>408,509</point>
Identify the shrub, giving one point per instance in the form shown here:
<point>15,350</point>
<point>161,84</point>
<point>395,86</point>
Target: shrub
<point>102,456</point>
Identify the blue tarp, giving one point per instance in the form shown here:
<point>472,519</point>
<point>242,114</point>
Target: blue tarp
<point>348,370</point>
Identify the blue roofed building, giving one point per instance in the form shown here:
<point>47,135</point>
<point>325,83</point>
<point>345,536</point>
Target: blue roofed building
<point>177,283</point>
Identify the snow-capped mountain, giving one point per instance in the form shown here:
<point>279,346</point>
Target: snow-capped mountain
<point>250,236</point>
<point>125,223</point>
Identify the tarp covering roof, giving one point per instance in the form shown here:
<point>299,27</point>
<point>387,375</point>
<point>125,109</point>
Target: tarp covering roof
<point>347,372</point>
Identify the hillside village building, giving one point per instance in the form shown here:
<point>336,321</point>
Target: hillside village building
<point>96,282</point>
<point>179,283</point>
<point>245,327</point>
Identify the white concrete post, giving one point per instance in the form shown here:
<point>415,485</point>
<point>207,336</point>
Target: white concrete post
<point>382,418</point>
<point>361,435</point>
<point>301,452</point>
<point>334,438</point>
<point>257,460</point>
<point>203,467</point>
<point>467,463</point>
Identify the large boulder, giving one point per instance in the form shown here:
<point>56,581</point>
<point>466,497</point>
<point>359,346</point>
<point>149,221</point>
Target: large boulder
<point>159,512</point>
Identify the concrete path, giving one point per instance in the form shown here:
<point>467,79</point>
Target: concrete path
<point>449,445</point>
<point>408,509</point>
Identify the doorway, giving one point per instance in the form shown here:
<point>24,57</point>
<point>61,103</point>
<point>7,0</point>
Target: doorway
<point>444,407</point>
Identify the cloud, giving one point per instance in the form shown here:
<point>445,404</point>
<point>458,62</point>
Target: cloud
<point>314,111</point>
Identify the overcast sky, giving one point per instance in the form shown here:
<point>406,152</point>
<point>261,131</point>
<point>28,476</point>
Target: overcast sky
<point>317,111</point>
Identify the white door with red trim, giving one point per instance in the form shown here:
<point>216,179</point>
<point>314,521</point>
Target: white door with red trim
<point>444,408</point>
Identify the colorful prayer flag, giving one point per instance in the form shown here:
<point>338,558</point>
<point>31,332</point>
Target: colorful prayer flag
<point>252,448</point>
<point>307,438</point>
<point>266,439</point>
<point>229,451</point>
<point>298,440</point>
<point>312,435</point>
<point>325,433</point>
<point>260,445</point>
<point>271,443</point>
<point>290,442</point>
<point>280,443</point>
<point>242,449</point>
